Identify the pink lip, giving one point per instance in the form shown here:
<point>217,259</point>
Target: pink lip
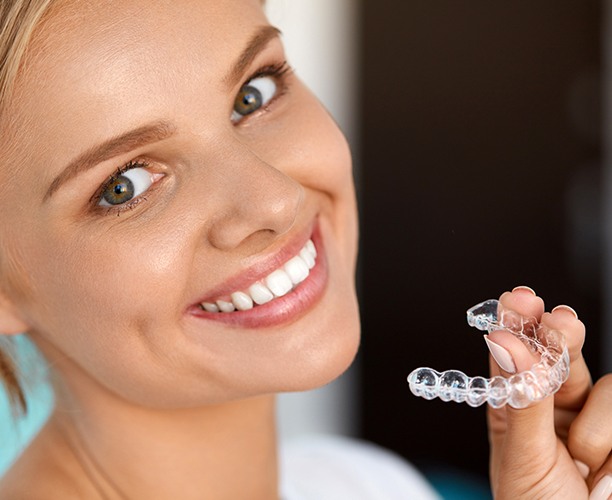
<point>280,310</point>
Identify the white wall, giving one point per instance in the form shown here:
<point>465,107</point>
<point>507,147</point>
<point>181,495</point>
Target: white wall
<point>320,38</point>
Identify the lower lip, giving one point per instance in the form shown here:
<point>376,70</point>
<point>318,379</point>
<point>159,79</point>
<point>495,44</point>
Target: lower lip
<point>281,310</point>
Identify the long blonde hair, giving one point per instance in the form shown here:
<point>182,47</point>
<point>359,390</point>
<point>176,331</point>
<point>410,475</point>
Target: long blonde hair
<point>18,20</point>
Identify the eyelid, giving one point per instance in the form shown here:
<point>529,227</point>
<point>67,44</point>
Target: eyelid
<point>278,70</point>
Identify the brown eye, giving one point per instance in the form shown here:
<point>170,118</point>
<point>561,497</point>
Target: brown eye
<point>248,100</point>
<point>252,96</point>
<point>125,187</point>
<point>119,191</point>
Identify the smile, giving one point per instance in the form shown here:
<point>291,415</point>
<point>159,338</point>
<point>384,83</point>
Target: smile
<point>277,284</point>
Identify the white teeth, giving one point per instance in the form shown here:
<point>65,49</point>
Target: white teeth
<point>311,248</point>
<point>211,308</point>
<point>276,284</point>
<point>279,282</point>
<point>260,293</point>
<point>297,270</point>
<point>225,307</point>
<point>308,258</point>
<point>242,301</point>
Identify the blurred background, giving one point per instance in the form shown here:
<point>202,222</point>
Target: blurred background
<point>482,169</point>
<point>477,133</point>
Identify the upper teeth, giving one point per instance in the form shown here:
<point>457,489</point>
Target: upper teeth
<point>276,284</point>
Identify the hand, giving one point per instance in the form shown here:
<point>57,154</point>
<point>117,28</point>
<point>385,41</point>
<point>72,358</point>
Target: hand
<point>558,448</point>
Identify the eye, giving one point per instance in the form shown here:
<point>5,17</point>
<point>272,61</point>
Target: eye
<point>253,95</point>
<point>125,186</point>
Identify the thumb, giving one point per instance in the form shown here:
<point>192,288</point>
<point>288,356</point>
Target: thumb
<point>519,437</point>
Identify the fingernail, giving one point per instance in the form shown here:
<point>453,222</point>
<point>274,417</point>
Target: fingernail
<point>501,355</point>
<point>582,468</point>
<point>603,489</point>
<point>566,308</point>
<point>524,288</point>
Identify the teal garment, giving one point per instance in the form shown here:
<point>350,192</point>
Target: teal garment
<point>456,484</point>
<point>16,433</point>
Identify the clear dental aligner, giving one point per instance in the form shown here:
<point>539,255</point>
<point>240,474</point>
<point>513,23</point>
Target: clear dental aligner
<point>520,390</point>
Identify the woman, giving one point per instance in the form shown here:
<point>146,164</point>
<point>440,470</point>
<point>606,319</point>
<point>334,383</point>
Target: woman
<point>179,238</point>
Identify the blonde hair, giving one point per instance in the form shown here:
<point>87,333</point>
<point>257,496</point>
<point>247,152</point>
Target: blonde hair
<point>18,20</point>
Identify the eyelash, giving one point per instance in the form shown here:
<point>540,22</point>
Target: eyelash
<point>119,209</point>
<point>278,71</point>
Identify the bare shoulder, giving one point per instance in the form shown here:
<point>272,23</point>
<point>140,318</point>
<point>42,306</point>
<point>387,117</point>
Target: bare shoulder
<point>46,470</point>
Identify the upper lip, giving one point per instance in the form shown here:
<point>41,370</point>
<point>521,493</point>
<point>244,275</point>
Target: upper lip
<point>261,268</point>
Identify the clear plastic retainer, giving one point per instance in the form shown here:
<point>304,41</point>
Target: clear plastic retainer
<point>520,390</point>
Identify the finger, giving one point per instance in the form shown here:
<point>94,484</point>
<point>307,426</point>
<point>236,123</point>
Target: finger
<point>528,444</point>
<point>575,390</point>
<point>590,435</point>
<point>509,355</point>
<point>504,346</point>
<point>509,426</point>
<point>524,301</point>
<point>509,352</point>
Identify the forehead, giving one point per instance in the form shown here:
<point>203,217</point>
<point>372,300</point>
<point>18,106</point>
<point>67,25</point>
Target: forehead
<point>109,38</point>
<point>95,62</point>
<point>81,25</point>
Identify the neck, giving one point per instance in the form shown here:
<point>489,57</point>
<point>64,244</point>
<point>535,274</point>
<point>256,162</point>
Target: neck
<point>222,451</point>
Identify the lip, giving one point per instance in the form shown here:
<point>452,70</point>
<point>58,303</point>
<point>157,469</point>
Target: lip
<point>282,309</point>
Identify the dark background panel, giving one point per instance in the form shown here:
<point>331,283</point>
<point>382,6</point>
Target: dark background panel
<point>481,165</point>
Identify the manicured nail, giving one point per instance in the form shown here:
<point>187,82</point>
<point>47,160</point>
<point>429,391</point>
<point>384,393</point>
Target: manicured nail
<point>501,355</point>
<point>566,308</point>
<point>582,468</point>
<point>603,490</point>
<point>525,288</point>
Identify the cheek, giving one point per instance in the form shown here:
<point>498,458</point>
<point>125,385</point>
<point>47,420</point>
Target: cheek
<point>109,305</point>
<point>317,143</point>
<point>97,283</point>
<point>305,143</point>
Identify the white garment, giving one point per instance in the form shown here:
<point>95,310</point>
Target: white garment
<point>338,468</point>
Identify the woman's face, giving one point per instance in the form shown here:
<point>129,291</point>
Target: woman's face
<point>160,158</point>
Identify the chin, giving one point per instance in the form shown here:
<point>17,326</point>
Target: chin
<point>323,363</point>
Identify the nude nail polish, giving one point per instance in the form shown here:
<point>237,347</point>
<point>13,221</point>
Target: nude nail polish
<point>501,355</point>
<point>582,468</point>
<point>603,490</point>
<point>524,288</point>
<point>566,308</point>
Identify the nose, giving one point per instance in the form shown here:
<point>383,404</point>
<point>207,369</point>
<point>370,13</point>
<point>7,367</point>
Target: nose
<point>261,203</point>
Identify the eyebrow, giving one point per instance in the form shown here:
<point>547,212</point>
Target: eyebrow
<point>115,146</point>
<point>158,131</point>
<point>256,44</point>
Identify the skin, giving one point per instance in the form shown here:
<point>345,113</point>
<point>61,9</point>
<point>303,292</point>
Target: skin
<point>106,296</point>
